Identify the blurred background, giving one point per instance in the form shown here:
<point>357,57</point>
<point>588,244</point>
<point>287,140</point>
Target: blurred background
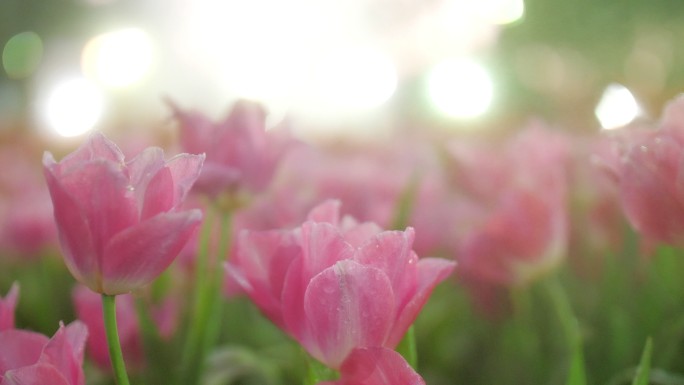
<point>358,67</point>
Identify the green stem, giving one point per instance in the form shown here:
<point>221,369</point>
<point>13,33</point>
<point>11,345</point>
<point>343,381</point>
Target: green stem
<point>561,303</point>
<point>115,353</point>
<point>204,323</point>
<point>190,360</point>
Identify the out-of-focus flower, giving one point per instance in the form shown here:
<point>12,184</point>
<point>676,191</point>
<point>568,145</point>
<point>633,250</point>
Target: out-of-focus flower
<point>27,226</point>
<point>7,306</point>
<point>29,358</point>
<point>88,306</point>
<point>336,285</point>
<point>241,154</point>
<point>648,168</point>
<point>523,231</point>
<point>376,366</point>
<point>118,222</point>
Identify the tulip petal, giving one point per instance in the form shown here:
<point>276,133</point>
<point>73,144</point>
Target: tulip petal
<point>64,351</point>
<point>103,192</point>
<point>38,374</point>
<point>431,271</point>
<point>185,169</point>
<point>391,252</point>
<point>7,306</point>
<point>328,211</point>
<point>159,196</point>
<point>322,246</point>
<point>96,147</point>
<point>140,253</point>
<point>347,305</point>
<point>260,265</point>
<point>142,169</point>
<point>377,366</point>
<point>78,246</point>
<point>20,348</point>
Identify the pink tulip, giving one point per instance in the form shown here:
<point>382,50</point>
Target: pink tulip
<point>28,358</point>
<point>648,169</point>
<point>241,155</point>
<point>7,306</point>
<point>336,285</point>
<point>376,366</point>
<point>118,222</point>
<point>27,225</point>
<point>523,230</point>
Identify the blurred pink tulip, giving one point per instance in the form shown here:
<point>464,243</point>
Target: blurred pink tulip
<point>117,221</point>
<point>648,169</point>
<point>336,285</point>
<point>7,306</point>
<point>29,358</point>
<point>27,226</point>
<point>376,366</point>
<point>240,153</point>
<point>523,228</point>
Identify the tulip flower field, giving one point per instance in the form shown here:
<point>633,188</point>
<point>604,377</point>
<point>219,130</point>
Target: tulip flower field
<point>225,253</point>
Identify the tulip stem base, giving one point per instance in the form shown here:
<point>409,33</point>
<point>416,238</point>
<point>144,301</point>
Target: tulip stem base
<point>115,353</point>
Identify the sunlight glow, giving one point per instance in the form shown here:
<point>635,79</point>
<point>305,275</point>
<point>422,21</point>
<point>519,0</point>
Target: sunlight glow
<point>501,11</point>
<point>118,59</point>
<point>74,107</point>
<point>617,107</point>
<point>357,78</point>
<point>460,88</point>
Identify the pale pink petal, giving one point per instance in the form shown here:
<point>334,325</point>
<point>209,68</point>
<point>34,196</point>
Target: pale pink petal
<point>137,255</point>
<point>328,211</point>
<point>104,195</point>
<point>322,246</point>
<point>391,252</point>
<point>358,233</point>
<point>159,196</point>
<point>7,306</point>
<point>142,169</point>
<point>96,147</point>
<point>347,305</point>
<point>20,348</point>
<point>64,351</point>
<point>38,374</point>
<point>185,169</point>
<point>431,271</point>
<point>377,366</point>
<point>78,246</point>
<point>261,262</point>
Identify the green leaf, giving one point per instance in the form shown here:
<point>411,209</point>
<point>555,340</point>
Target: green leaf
<point>407,348</point>
<point>644,370</point>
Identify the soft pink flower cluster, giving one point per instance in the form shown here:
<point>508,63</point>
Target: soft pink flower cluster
<point>336,285</point>
<point>29,358</point>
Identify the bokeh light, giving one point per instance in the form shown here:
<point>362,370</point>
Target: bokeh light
<point>617,107</point>
<point>118,59</point>
<point>73,107</point>
<point>22,54</point>
<point>460,88</point>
